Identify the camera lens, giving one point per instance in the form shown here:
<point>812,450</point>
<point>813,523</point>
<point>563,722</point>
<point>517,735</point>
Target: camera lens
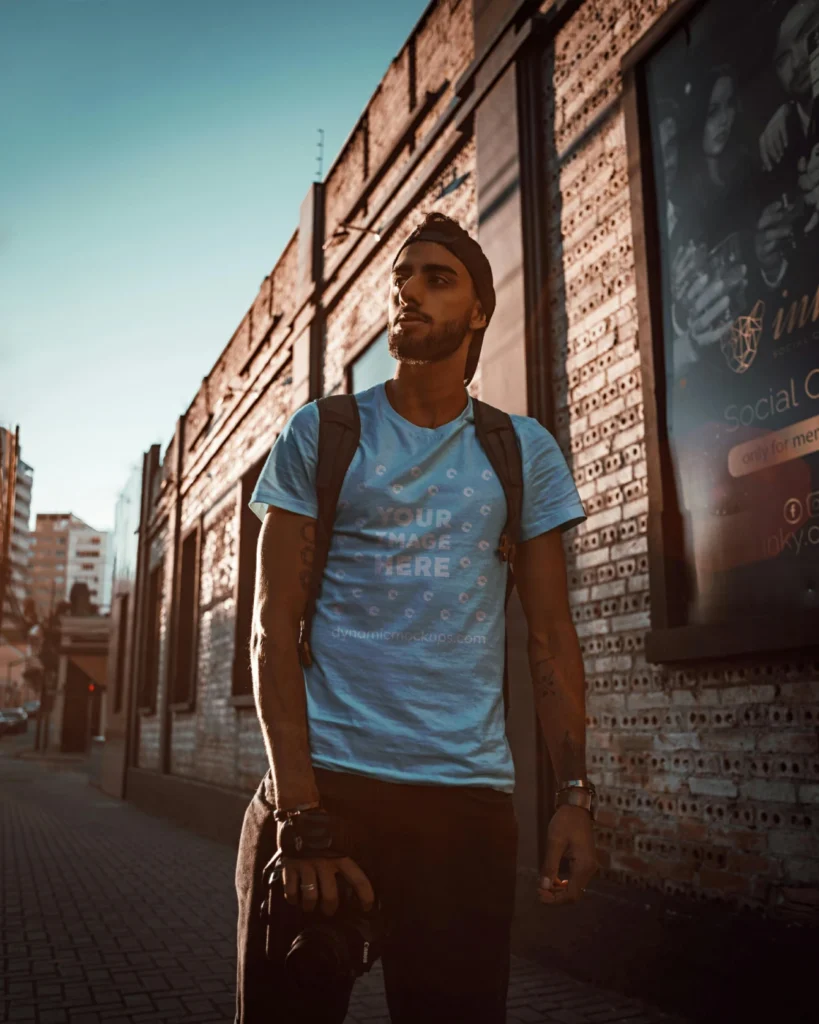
<point>317,957</point>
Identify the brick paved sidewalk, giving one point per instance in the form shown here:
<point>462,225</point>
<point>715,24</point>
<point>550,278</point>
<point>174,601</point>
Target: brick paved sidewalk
<point>108,914</point>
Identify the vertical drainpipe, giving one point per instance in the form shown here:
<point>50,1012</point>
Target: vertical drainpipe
<point>166,725</point>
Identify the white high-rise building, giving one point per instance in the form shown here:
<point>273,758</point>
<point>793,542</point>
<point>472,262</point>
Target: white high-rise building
<point>89,562</point>
<point>20,551</point>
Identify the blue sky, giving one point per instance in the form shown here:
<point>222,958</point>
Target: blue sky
<point>155,154</point>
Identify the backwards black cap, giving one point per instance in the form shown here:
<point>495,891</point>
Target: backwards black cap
<point>443,230</point>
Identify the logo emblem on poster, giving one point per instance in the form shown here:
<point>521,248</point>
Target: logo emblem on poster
<point>793,511</point>
<point>742,344</point>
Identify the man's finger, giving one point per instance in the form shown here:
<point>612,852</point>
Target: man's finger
<point>326,872</point>
<point>696,288</point>
<point>359,881</point>
<point>583,871</point>
<point>551,862</point>
<point>782,137</point>
<point>290,878</point>
<point>553,898</point>
<point>309,896</point>
<point>763,152</point>
<point>771,234</point>
<point>711,294</point>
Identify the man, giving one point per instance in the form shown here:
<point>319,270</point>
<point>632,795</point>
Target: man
<point>397,726</point>
<point>786,232</point>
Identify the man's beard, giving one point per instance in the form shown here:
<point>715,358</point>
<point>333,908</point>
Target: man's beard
<point>436,344</point>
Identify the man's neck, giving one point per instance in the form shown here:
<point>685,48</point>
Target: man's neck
<point>425,410</point>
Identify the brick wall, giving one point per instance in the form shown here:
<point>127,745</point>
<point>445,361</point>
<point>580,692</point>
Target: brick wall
<point>709,776</point>
<point>245,400</point>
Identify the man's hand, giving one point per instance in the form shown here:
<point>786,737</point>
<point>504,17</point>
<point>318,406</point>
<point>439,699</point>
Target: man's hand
<point>571,836</point>
<point>809,183</point>
<point>773,229</point>
<point>702,302</point>
<point>320,872</point>
<point>773,142</point>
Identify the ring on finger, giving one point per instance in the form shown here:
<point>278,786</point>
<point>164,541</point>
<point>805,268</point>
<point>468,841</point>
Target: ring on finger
<point>308,888</point>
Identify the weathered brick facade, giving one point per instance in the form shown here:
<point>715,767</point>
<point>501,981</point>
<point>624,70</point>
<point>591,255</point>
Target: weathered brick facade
<point>708,775</point>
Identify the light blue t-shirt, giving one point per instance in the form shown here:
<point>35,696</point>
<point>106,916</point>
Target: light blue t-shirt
<point>408,634</point>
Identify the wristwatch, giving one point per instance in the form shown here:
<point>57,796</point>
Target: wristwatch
<point>286,814</point>
<point>578,793</point>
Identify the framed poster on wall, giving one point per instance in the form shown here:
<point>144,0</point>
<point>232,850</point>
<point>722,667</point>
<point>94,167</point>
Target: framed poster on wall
<point>723,128</point>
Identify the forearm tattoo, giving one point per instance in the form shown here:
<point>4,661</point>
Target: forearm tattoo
<point>546,672</point>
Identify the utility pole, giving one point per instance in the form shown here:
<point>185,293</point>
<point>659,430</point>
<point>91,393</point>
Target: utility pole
<point>9,476</point>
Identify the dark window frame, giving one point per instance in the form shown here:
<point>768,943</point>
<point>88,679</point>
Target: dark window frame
<point>182,689</point>
<point>123,611</point>
<point>153,622</point>
<point>359,351</point>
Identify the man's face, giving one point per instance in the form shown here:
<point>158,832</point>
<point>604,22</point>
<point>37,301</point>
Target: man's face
<point>432,305</point>
<point>792,58</point>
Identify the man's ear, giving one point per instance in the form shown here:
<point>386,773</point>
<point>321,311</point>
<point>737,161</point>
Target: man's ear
<point>478,317</point>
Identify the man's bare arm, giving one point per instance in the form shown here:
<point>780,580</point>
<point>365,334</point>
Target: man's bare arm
<point>555,659</point>
<point>560,697</point>
<point>284,560</point>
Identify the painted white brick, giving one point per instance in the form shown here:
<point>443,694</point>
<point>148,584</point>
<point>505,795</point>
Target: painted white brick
<point>588,559</point>
<point>713,787</point>
<point>603,591</point>
<point>635,620</point>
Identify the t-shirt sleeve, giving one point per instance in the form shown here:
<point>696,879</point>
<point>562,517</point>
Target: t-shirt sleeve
<point>550,497</point>
<point>288,478</point>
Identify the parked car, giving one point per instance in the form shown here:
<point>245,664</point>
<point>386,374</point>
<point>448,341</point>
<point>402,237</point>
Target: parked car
<point>13,720</point>
<point>31,707</point>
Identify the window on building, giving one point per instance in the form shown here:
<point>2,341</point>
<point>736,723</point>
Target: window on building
<point>95,540</point>
<point>122,635</point>
<point>249,529</point>
<point>374,365</point>
<point>86,566</point>
<point>183,687</point>
<point>150,671</point>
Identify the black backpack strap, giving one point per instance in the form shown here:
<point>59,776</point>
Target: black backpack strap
<point>339,432</point>
<point>496,433</point>
<point>500,442</point>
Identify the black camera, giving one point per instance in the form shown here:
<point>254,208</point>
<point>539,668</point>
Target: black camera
<point>326,952</point>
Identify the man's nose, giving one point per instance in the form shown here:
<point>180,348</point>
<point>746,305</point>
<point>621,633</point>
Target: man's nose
<point>412,291</point>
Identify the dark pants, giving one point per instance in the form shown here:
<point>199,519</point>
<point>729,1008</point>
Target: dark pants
<point>441,860</point>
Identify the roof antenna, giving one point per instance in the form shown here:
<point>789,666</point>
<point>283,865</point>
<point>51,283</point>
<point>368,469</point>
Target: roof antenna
<point>320,157</point>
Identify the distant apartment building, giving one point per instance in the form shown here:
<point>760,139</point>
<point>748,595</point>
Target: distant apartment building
<point>65,551</point>
<point>89,561</point>
<point>20,548</point>
<point>16,479</point>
